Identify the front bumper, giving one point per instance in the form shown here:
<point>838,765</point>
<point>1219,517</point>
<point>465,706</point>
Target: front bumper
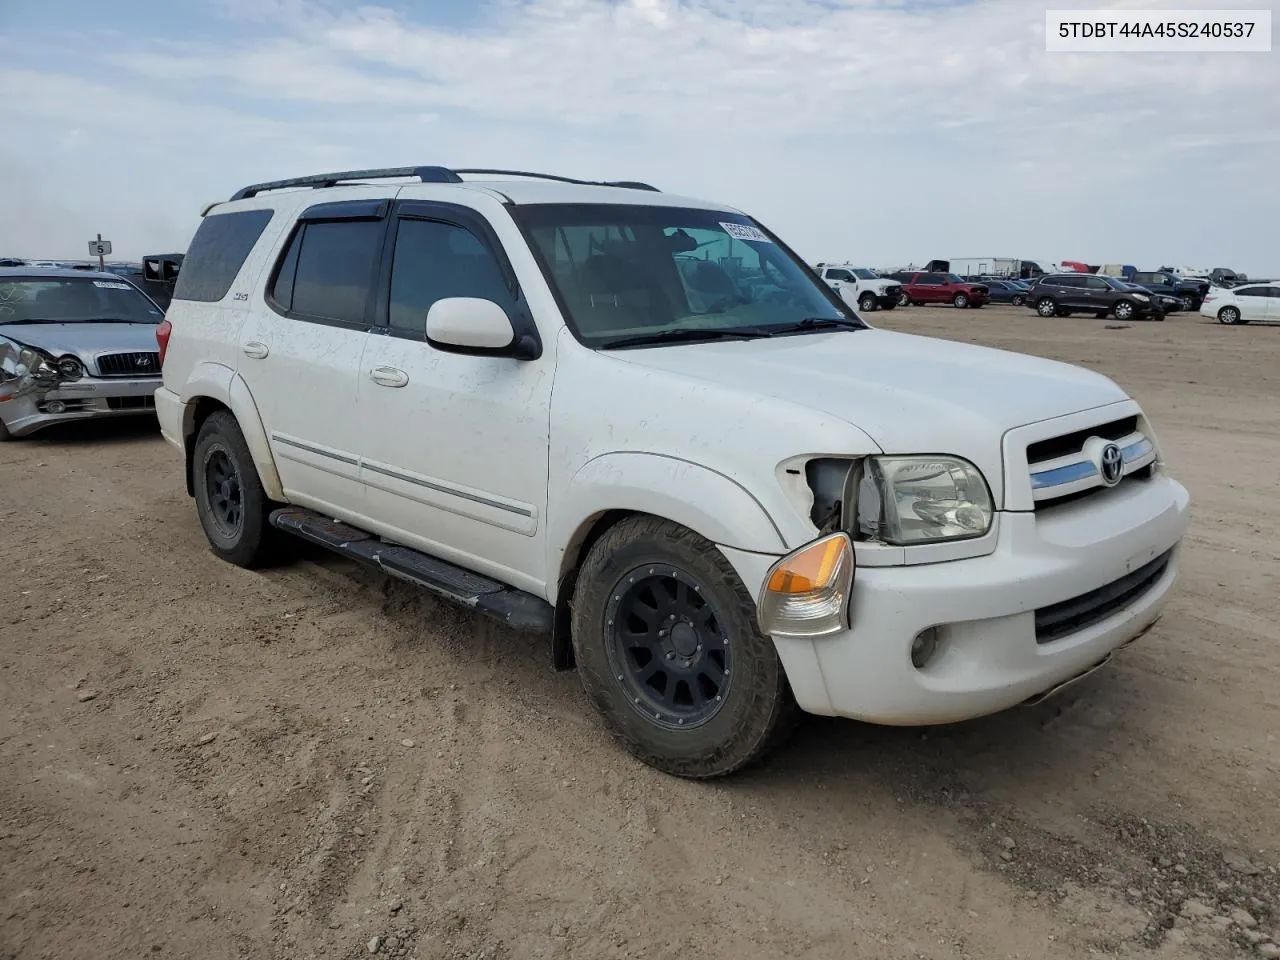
<point>989,657</point>
<point>90,398</point>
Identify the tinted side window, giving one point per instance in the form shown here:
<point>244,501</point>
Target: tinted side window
<point>434,260</point>
<point>1093,283</point>
<point>839,275</point>
<point>1253,292</point>
<point>327,272</point>
<point>929,279</point>
<point>217,252</point>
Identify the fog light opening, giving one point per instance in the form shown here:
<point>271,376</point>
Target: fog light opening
<point>924,647</point>
<point>56,407</point>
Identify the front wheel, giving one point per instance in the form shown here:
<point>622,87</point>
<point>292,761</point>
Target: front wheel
<point>867,303</point>
<point>960,300</point>
<point>1018,301</point>
<point>1124,310</point>
<point>668,649</point>
<point>1047,308</point>
<point>1229,315</point>
<point>230,501</point>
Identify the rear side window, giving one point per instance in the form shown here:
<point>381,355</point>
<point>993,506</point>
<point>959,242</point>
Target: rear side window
<point>1252,292</point>
<point>217,252</point>
<point>327,272</point>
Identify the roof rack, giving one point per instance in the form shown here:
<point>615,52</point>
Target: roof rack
<point>424,174</point>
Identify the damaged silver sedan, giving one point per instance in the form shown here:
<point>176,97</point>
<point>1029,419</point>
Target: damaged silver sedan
<point>74,345</point>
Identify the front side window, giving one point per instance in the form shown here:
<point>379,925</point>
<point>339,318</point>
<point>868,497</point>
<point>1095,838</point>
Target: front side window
<point>327,272</point>
<point>434,260</point>
<point>622,271</point>
<point>74,300</point>
<point>839,275</point>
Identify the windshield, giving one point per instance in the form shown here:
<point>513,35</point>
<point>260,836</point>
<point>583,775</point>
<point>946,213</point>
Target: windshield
<point>862,273</point>
<point>622,271</point>
<point>73,300</point>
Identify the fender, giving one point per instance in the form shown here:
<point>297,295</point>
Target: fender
<point>221,383</point>
<point>686,493</point>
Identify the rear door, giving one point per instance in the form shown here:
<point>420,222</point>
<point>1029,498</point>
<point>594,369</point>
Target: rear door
<point>302,350</point>
<point>1254,302</point>
<point>1273,304</point>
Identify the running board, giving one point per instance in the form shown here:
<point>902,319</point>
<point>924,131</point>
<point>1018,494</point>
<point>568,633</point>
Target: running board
<point>515,608</point>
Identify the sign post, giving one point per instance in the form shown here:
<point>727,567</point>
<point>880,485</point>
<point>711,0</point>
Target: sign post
<point>100,248</point>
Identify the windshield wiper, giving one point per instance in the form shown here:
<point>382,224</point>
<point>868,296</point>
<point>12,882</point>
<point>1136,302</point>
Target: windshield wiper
<point>685,336</point>
<point>817,323</point>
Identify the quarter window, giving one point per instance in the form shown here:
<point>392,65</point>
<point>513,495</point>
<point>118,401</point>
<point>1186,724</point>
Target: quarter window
<point>435,260</point>
<point>217,252</point>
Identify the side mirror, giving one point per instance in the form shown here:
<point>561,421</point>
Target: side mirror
<point>475,326</point>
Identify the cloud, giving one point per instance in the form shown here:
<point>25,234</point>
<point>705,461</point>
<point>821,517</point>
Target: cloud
<point>881,131</point>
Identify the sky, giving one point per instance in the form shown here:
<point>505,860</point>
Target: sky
<point>882,132</point>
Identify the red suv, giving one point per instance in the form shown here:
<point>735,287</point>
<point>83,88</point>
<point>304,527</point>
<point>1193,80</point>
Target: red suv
<point>941,288</point>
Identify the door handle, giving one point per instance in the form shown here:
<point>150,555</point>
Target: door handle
<point>388,376</point>
<point>255,349</point>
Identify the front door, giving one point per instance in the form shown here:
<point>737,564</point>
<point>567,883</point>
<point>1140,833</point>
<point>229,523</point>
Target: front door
<point>301,354</point>
<point>455,455</point>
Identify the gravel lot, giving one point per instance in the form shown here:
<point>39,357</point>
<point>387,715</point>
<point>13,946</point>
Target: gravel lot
<point>198,761</point>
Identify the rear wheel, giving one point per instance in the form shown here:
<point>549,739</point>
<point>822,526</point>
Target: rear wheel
<point>667,647</point>
<point>867,302</point>
<point>1229,315</point>
<point>904,300</point>
<point>1100,314</point>
<point>960,300</point>
<point>1047,308</point>
<point>230,501</point>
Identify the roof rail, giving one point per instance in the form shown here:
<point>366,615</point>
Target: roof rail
<point>425,174</point>
<point>626,184</point>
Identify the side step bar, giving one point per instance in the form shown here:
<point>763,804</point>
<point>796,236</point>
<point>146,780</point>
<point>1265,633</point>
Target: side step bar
<point>515,608</point>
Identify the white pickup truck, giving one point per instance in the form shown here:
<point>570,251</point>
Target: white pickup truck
<point>639,423</point>
<point>861,287</point>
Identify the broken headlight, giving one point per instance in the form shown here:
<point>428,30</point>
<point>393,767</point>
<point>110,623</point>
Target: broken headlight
<point>910,500</point>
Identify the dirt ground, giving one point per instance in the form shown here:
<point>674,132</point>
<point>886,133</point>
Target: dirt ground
<point>201,762</point>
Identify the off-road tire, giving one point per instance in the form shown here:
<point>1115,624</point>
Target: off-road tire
<point>758,710</point>
<point>253,542</point>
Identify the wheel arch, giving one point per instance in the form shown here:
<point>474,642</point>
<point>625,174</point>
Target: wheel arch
<point>613,487</point>
<point>223,389</point>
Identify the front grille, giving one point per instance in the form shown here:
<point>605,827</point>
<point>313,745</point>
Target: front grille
<point>140,364</point>
<point>131,403</point>
<point>1070,616</point>
<point>1070,443</point>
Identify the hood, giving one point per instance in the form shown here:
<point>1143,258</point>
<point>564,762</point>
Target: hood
<point>910,394</point>
<point>84,340</point>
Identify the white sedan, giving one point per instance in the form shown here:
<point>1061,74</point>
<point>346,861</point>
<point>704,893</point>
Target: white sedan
<point>1250,302</point>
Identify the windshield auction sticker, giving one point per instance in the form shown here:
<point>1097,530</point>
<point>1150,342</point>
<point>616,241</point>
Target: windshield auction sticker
<point>744,231</point>
<point>1158,31</point>
<point>111,285</point>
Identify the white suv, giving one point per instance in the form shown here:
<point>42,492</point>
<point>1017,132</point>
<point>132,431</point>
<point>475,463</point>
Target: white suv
<point>639,422</point>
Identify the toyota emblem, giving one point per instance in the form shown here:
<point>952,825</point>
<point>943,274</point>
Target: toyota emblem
<point>1111,464</point>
